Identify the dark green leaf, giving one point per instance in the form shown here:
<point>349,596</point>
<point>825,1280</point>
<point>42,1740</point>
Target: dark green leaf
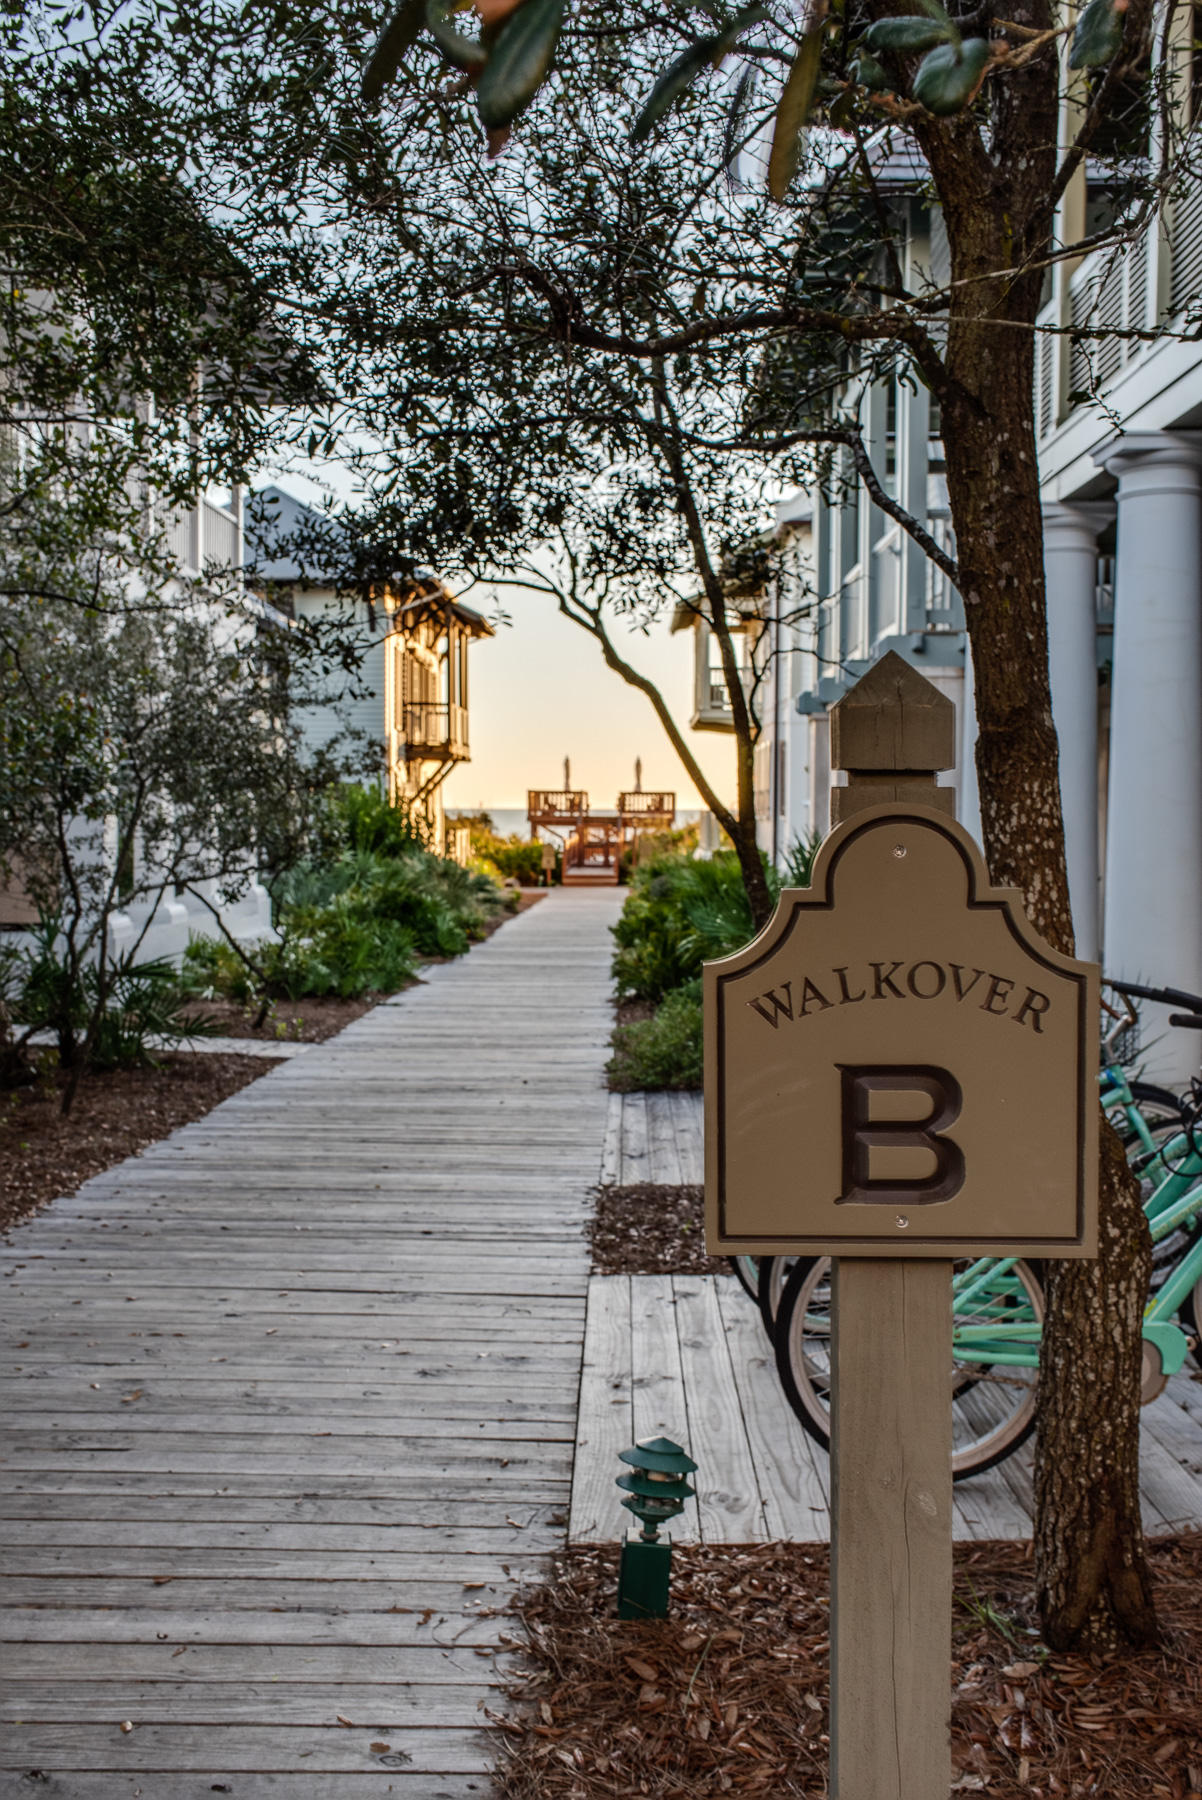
<point>1098,36</point>
<point>793,111</point>
<point>867,71</point>
<point>390,47</point>
<point>466,53</point>
<point>948,77</point>
<point>841,111</point>
<point>682,73</point>
<point>744,88</point>
<point>518,62</point>
<point>907,35</point>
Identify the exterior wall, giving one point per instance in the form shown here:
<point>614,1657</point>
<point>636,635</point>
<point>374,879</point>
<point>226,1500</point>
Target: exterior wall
<point>205,538</point>
<point>362,714</point>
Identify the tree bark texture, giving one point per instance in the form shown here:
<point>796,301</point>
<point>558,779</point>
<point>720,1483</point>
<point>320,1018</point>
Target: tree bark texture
<point>1091,1574</point>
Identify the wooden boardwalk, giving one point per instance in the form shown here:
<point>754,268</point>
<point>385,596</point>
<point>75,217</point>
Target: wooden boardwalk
<point>289,1402</point>
<point>686,1357</point>
<point>653,1137</point>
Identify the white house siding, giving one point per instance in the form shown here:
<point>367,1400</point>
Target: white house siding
<point>361,714</point>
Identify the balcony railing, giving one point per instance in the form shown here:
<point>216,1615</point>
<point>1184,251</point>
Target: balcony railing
<point>432,728</point>
<point>637,805</point>
<point>561,803</point>
<point>1113,295</point>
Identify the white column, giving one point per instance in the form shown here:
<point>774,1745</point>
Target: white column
<point>1070,561</point>
<point>1153,924</point>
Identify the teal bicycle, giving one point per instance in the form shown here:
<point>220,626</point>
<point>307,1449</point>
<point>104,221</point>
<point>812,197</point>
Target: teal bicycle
<point>998,1306</point>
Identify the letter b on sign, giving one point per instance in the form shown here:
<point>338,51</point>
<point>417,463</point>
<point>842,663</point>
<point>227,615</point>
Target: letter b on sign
<point>867,1126</point>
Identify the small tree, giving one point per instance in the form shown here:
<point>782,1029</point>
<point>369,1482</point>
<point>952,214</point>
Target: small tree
<point>142,755</point>
<point>616,103</point>
<point>978,99</point>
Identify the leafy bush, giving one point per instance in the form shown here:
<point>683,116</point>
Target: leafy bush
<point>799,861</point>
<point>679,913</point>
<point>361,819</point>
<point>357,920</point>
<point>511,858</point>
<point>126,1005</point>
<point>663,1051</point>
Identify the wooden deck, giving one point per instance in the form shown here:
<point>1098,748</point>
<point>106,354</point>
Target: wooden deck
<point>686,1357</point>
<point>290,1402</point>
<point>653,1137</point>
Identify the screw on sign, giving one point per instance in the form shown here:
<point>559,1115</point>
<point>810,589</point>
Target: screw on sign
<point>898,1072</point>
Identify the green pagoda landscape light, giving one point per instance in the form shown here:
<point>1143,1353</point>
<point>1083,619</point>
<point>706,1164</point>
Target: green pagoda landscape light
<point>655,1492</point>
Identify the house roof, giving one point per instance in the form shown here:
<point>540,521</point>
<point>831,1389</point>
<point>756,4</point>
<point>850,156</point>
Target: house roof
<point>275,521</point>
<point>280,527</point>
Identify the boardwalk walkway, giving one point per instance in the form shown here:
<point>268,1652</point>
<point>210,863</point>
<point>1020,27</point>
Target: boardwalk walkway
<point>290,1402</point>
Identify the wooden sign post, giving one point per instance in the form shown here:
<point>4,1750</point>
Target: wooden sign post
<point>898,1072</point>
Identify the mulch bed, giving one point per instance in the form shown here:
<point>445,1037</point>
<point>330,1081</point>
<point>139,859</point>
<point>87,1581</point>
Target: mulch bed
<point>651,1230</point>
<point>292,1021</point>
<point>43,1155</point>
<point>633,1012</point>
<point>730,1694</point>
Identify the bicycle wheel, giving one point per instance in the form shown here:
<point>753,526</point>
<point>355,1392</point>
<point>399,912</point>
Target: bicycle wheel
<point>774,1273</point>
<point>1160,1110</point>
<point>998,1311</point>
<point>1190,1315</point>
<point>747,1268</point>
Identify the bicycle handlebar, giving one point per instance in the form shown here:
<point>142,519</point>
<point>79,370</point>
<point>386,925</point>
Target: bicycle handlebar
<point>1192,1021</point>
<point>1164,996</point>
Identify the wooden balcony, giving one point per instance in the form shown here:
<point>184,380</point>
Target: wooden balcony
<point>434,729</point>
<point>650,809</point>
<point>555,806</point>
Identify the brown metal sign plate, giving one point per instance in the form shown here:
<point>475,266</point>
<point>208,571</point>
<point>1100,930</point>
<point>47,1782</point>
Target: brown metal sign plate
<point>898,1065</point>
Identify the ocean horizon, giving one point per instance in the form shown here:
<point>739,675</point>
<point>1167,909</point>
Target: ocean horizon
<point>510,820</point>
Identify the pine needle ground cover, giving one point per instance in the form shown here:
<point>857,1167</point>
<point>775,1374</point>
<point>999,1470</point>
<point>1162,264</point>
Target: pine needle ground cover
<point>730,1694</point>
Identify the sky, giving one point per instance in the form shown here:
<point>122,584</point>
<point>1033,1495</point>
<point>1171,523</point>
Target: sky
<point>539,691</point>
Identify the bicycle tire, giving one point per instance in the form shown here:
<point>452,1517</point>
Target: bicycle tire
<point>993,1406</point>
<point>1190,1315</point>
<point>1161,1111</point>
<point>747,1269</point>
<point>774,1273</point>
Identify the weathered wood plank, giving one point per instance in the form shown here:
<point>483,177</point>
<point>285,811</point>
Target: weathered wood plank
<point>605,1423</point>
<point>658,1397</point>
<point>635,1163</point>
<point>316,1749</point>
<point>663,1156</point>
<point>793,1473</point>
<point>611,1152</point>
<point>396,1629</point>
<point>292,1395</point>
<point>688,1121</point>
<point>194,1661</point>
<point>729,1505</point>
<point>404,1784</point>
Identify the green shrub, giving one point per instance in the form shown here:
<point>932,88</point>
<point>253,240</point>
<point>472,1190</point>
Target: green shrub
<point>126,1006</point>
<point>680,912</point>
<point>357,921</point>
<point>663,1051</point>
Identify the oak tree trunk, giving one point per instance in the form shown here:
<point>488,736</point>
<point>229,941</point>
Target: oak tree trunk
<point>1091,1574</point>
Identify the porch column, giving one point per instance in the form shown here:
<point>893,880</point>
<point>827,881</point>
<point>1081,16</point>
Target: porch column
<point>1070,560</point>
<point>1153,924</point>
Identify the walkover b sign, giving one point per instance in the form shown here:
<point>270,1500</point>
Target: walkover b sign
<point>898,1065</point>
